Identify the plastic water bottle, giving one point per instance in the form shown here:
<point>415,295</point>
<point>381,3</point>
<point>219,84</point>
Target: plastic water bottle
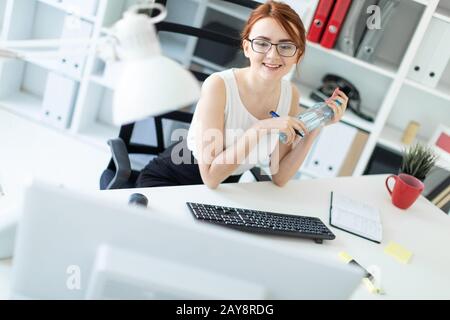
<point>318,115</point>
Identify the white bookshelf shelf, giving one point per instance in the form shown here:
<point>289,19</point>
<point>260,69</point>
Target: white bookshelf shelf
<point>383,68</point>
<point>431,91</point>
<point>44,64</point>
<point>68,10</point>
<point>423,2</point>
<point>52,66</point>
<point>444,16</point>
<point>391,138</point>
<point>354,120</point>
<point>443,10</point>
<point>23,104</point>
<point>229,9</point>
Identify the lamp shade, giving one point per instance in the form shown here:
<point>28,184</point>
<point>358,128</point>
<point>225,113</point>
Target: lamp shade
<point>152,86</point>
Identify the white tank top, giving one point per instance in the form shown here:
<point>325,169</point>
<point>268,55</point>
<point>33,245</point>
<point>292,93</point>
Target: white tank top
<point>238,120</point>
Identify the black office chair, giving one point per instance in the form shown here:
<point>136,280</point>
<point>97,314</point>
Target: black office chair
<point>119,173</point>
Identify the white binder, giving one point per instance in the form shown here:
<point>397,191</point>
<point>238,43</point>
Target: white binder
<point>59,100</point>
<point>304,8</point>
<point>433,55</point>
<point>73,64</point>
<point>330,150</point>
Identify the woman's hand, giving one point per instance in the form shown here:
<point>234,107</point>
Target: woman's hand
<point>286,125</point>
<point>338,110</point>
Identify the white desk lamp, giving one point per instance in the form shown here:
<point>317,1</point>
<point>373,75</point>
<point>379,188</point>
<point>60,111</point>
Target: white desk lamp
<point>150,84</point>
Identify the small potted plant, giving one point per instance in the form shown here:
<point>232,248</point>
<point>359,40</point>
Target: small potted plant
<point>417,161</point>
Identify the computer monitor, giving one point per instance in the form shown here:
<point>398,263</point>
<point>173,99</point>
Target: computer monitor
<point>75,246</point>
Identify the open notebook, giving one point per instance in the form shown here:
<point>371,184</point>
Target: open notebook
<point>355,217</point>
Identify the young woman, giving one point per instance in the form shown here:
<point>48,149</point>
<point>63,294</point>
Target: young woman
<point>232,121</point>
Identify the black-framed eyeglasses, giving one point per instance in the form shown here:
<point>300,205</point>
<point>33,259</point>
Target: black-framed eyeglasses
<point>285,49</point>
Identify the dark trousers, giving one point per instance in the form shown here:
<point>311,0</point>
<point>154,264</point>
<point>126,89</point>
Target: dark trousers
<point>163,172</point>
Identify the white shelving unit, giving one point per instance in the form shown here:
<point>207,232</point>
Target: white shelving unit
<point>2,14</point>
<point>388,92</point>
<point>23,83</point>
<point>68,8</point>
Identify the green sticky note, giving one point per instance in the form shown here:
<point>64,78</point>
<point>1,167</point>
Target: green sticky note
<point>397,251</point>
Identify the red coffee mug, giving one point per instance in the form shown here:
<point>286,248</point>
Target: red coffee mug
<point>406,190</point>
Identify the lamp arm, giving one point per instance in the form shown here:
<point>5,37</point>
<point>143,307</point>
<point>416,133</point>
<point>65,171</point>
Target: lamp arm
<point>105,47</point>
<point>12,49</point>
<point>44,43</point>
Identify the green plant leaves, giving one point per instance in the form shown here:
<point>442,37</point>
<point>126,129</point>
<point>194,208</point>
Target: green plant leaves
<point>418,160</point>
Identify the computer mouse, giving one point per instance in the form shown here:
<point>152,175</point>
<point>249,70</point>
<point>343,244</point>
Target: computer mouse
<point>138,199</point>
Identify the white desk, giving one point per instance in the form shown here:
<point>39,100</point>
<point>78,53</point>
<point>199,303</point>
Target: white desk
<point>423,229</point>
<point>5,273</point>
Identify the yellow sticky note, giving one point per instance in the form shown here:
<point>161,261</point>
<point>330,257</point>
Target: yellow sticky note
<point>370,286</point>
<point>345,257</point>
<point>398,252</point>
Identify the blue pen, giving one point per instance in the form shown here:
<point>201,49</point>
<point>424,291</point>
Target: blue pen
<point>276,115</point>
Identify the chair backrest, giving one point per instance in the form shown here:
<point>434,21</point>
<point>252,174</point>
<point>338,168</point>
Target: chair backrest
<point>126,131</point>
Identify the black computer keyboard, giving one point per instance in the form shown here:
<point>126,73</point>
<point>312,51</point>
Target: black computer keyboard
<point>263,222</point>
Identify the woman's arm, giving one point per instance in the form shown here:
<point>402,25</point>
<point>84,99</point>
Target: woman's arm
<point>215,163</point>
<point>287,158</point>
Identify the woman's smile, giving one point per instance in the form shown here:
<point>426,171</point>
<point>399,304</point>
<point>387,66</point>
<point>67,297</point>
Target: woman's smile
<point>272,66</point>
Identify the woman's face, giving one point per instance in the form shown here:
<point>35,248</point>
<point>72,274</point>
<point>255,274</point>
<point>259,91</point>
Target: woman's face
<point>271,65</point>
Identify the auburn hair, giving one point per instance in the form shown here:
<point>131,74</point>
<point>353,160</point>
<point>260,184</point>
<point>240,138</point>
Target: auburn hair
<point>285,16</point>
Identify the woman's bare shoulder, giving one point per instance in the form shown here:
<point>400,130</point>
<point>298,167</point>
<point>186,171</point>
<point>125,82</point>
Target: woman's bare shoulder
<point>214,84</point>
<point>213,95</point>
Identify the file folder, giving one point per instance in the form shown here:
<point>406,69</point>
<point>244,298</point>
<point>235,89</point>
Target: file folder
<point>320,20</point>
<point>73,65</point>
<point>433,54</point>
<point>354,26</point>
<point>305,9</point>
<point>59,100</point>
<point>353,154</point>
<point>335,23</point>
<point>373,37</point>
<point>329,152</point>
